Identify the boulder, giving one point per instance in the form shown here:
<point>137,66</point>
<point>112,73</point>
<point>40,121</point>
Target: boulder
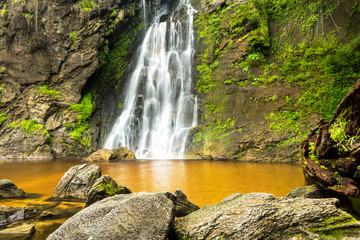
<point>124,216</point>
<point>263,216</point>
<point>312,191</point>
<point>9,190</point>
<point>77,182</point>
<point>9,214</point>
<point>183,206</point>
<point>21,232</point>
<point>107,155</point>
<point>104,187</point>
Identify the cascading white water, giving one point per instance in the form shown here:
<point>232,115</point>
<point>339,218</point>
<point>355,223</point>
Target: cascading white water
<point>159,109</point>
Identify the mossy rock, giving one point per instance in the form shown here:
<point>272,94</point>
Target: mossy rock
<point>104,187</point>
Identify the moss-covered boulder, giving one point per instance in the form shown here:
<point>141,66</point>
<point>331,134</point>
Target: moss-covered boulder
<point>263,216</point>
<point>77,181</point>
<point>330,153</point>
<point>104,187</point>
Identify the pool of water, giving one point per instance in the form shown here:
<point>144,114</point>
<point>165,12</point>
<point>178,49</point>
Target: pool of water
<point>204,182</point>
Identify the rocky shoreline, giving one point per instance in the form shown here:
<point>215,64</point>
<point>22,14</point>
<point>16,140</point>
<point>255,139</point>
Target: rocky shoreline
<point>113,212</point>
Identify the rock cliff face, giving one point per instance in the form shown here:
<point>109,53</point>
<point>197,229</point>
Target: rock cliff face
<point>48,51</point>
<point>249,102</point>
<point>63,66</point>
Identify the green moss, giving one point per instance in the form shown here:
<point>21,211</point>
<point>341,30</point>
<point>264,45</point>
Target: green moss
<point>73,37</point>
<point>4,12</point>
<point>335,227</point>
<point>247,21</point>
<point>3,118</point>
<point>81,127</point>
<point>30,126</point>
<point>113,59</point>
<point>47,92</point>
<point>28,15</point>
<point>87,5</point>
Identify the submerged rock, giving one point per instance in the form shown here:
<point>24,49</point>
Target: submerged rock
<point>9,214</point>
<point>263,216</point>
<point>104,187</point>
<point>9,190</point>
<point>125,216</point>
<point>21,232</point>
<point>107,155</point>
<point>77,182</point>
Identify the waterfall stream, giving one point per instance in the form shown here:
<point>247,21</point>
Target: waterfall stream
<point>159,108</point>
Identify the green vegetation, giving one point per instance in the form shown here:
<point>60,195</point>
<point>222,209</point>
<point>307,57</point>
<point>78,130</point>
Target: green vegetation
<point>334,226</point>
<point>87,5</point>
<point>246,20</point>
<point>73,37</point>
<point>81,127</point>
<point>4,12</point>
<point>324,65</point>
<point>47,92</point>
<point>30,126</point>
<point>113,59</point>
<point>338,134</point>
<point>3,118</point>
<point>28,15</point>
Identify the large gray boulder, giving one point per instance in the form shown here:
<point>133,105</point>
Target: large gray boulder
<point>77,182</point>
<point>107,155</point>
<point>125,216</point>
<point>104,187</point>
<point>9,214</point>
<point>9,190</point>
<point>263,216</point>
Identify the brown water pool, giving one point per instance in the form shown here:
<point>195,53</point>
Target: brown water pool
<point>204,182</point>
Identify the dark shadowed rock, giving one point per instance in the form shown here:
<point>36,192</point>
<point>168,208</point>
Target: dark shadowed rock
<point>21,232</point>
<point>104,187</point>
<point>125,216</point>
<point>9,190</point>
<point>312,191</point>
<point>77,182</point>
<point>330,154</point>
<point>106,155</point>
<point>10,214</point>
<point>183,206</point>
<point>263,216</point>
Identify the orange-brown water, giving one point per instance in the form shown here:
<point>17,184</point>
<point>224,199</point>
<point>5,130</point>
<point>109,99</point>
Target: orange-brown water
<point>204,182</point>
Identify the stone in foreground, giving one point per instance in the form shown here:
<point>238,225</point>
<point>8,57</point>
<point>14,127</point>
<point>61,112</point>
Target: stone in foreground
<point>124,216</point>
<point>104,187</point>
<point>312,191</point>
<point>77,182</point>
<point>106,155</point>
<point>183,206</point>
<point>263,216</point>
<point>9,214</point>
<point>9,190</point>
<point>21,232</point>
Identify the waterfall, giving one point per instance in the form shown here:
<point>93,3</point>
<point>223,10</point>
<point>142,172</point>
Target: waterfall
<point>159,108</point>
